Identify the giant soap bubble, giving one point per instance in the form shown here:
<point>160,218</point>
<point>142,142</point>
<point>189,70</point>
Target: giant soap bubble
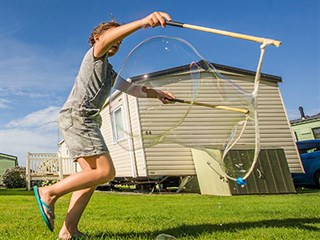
<point>211,112</point>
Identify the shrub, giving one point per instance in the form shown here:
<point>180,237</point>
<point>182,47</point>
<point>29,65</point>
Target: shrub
<point>48,182</point>
<point>14,177</point>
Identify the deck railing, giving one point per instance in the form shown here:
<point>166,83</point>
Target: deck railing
<point>48,166</point>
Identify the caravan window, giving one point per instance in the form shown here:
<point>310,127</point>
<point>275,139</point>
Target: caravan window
<point>316,133</point>
<point>117,125</point>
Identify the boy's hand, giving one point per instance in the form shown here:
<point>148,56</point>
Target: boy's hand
<point>155,19</point>
<point>165,97</point>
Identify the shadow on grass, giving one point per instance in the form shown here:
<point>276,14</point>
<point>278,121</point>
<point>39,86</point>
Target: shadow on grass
<point>197,230</point>
<point>15,191</point>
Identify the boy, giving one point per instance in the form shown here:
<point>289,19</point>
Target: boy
<point>80,121</point>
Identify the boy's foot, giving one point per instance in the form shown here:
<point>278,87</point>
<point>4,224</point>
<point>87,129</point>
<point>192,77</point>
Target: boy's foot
<point>46,208</point>
<point>77,235</point>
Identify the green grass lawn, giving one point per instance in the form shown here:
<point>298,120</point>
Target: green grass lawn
<point>185,216</point>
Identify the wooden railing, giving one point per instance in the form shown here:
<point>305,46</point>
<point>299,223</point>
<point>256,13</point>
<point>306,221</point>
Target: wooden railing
<point>48,166</point>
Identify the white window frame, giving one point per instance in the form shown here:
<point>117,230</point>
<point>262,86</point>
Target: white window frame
<point>315,132</point>
<point>115,134</point>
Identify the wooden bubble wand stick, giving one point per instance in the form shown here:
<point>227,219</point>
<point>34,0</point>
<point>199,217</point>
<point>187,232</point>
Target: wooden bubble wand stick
<point>224,33</point>
<point>234,109</point>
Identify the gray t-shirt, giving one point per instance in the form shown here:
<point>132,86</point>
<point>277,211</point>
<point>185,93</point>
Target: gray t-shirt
<point>92,86</point>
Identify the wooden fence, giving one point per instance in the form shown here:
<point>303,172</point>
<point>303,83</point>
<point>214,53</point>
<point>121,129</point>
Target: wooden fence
<point>48,166</point>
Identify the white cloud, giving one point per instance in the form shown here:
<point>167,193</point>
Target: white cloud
<point>22,93</point>
<point>38,119</point>
<point>4,103</point>
<point>19,142</point>
<point>36,132</point>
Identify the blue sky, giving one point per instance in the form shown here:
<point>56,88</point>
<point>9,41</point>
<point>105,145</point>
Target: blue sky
<point>42,43</point>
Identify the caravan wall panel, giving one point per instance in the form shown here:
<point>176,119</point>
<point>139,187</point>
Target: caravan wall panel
<point>211,126</point>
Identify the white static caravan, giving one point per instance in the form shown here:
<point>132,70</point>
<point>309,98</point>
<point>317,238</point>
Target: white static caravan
<point>170,159</point>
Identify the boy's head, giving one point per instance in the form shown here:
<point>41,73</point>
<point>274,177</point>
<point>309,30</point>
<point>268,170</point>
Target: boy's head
<point>100,29</point>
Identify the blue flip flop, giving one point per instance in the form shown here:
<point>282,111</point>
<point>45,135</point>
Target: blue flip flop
<point>42,204</point>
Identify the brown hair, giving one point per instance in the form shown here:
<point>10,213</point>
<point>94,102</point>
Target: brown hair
<point>100,28</point>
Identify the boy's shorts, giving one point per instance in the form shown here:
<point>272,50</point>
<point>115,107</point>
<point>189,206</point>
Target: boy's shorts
<point>81,134</point>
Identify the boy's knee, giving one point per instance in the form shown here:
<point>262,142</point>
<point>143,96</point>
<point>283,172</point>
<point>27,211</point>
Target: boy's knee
<point>107,175</point>
<point>112,173</point>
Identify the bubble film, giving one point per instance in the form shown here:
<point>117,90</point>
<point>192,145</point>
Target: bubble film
<point>211,112</point>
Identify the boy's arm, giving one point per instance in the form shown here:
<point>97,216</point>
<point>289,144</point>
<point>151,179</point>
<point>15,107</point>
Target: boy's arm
<point>142,91</point>
<point>116,34</point>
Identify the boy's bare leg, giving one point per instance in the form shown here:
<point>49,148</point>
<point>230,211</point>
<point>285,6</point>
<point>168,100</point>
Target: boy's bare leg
<point>78,203</point>
<point>100,170</point>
